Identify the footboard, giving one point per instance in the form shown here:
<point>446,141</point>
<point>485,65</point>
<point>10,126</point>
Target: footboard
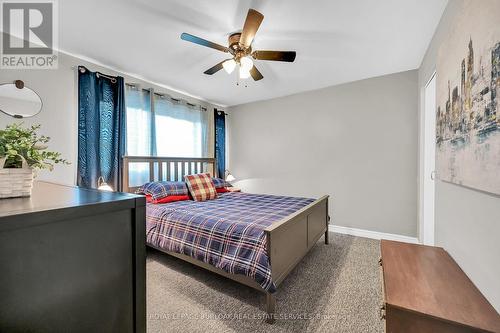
<point>289,240</point>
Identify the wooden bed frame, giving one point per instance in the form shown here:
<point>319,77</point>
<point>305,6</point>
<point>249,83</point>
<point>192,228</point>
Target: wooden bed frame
<point>288,240</point>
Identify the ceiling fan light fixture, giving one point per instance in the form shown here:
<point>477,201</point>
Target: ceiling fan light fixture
<point>244,73</point>
<point>229,65</point>
<point>246,63</point>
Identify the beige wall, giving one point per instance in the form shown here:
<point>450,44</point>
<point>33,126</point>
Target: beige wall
<point>356,142</point>
<point>467,221</point>
<point>58,90</point>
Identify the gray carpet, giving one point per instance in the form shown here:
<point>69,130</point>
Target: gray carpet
<point>336,288</point>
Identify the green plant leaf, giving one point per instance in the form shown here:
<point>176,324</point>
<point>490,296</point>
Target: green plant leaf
<point>17,143</point>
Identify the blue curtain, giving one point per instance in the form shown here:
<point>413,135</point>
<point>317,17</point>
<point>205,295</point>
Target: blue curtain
<point>101,128</point>
<point>220,142</point>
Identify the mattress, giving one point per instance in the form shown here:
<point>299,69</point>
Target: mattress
<point>227,233</point>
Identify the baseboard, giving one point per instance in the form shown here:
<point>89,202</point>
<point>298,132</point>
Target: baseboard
<point>372,234</point>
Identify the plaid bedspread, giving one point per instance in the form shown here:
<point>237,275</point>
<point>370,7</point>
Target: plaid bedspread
<point>227,232</point>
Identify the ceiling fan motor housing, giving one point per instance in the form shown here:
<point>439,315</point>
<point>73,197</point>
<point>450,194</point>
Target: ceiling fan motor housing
<point>234,46</point>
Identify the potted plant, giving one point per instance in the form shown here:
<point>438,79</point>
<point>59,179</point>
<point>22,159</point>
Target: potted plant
<point>22,152</point>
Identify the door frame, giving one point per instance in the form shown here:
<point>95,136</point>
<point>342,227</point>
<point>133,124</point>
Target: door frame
<point>427,182</point>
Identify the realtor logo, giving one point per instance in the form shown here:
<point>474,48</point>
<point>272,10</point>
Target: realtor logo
<point>29,34</point>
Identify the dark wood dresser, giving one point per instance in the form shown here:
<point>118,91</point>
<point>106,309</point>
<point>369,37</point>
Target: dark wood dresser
<point>72,260</point>
<point>426,291</point>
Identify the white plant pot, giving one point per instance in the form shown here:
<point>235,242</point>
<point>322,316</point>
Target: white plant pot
<point>15,182</point>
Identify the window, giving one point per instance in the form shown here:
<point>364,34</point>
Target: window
<point>158,125</point>
<point>138,102</point>
<point>181,128</point>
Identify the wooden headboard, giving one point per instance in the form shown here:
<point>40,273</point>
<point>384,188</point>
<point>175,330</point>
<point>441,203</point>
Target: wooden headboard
<point>165,168</point>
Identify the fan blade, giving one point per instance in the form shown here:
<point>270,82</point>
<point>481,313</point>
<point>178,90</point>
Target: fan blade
<point>256,75</point>
<point>252,24</point>
<point>214,69</point>
<point>288,56</point>
<point>203,42</point>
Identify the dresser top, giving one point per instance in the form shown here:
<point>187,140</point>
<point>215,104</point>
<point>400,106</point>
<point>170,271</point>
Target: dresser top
<point>426,279</point>
<point>48,196</point>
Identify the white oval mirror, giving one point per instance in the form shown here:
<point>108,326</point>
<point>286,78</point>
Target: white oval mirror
<point>19,101</point>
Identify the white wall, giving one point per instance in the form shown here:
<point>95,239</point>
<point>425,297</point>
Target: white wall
<point>467,221</point>
<point>356,142</point>
<point>59,92</point>
<point>58,116</point>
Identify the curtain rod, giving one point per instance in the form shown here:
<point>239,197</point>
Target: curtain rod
<point>83,69</point>
<point>220,111</point>
<point>162,95</point>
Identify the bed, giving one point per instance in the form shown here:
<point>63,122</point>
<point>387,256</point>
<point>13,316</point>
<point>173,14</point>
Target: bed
<point>253,239</point>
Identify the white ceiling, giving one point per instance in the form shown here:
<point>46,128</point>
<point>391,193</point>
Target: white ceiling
<point>337,41</point>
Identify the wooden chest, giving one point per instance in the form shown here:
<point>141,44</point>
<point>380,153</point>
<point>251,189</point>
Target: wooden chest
<point>426,291</point>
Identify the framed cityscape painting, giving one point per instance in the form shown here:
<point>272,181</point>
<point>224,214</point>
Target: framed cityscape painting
<point>468,99</point>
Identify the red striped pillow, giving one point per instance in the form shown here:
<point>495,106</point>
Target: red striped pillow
<point>201,187</point>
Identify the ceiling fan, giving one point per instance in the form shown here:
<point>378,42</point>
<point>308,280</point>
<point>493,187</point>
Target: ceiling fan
<point>240,47</point>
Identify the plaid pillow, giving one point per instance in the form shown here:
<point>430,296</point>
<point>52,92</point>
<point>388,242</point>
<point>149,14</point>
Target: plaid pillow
<point>201,187</point>
<point>159,190</point>
<point>220,183</point>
